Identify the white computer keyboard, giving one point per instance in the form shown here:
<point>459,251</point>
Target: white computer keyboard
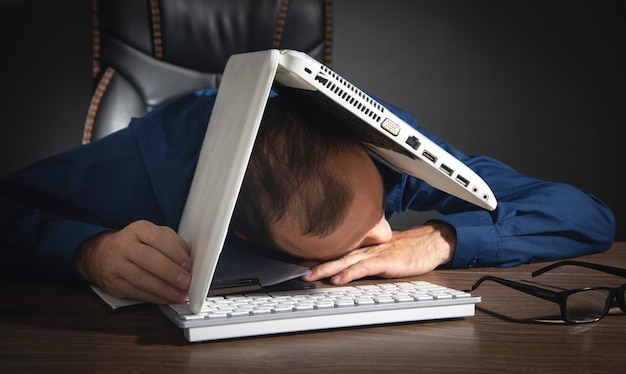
<point>321,308</point>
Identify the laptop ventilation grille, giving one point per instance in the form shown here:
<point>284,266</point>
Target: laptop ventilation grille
<point>350,94</point>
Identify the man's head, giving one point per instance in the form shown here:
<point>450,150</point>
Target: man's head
<point>310,188</point>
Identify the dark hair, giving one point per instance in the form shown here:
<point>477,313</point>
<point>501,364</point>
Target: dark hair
<point>289,173</point>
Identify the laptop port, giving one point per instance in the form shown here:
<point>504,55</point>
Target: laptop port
<point>429,156</point>
<point>413,142</point>
<point>446,169</point>
<point>462,181</point>
<point>390,126</point>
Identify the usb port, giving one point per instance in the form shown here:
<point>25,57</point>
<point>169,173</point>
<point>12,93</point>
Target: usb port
<point>462,181</point>
<point>446,169</point>
<point>429,156</point>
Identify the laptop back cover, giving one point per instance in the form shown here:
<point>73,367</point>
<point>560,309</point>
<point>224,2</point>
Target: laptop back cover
<point>224,156</point>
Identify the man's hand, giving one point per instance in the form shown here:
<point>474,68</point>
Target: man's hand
<point>143,261</point>
<point>409,253</point>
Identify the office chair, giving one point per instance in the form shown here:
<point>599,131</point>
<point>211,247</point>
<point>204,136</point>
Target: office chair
<point>146,52</point>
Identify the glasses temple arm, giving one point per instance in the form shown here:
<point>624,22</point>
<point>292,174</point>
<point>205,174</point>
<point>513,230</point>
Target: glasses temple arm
<point>531,290</point>
<point>590,265</point>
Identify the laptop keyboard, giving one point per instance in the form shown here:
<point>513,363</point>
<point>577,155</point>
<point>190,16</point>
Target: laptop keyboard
<point>252,314</point>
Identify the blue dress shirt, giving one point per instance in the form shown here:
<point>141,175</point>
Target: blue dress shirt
<point>144,172</point>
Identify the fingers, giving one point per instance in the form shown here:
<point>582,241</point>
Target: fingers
<point>363,268</point>
<point>159,263</point>
<point>134,282</point>
<point>355,265</point>
<point>143,261</point>
<point>162,253</point>
<point>163,238</point>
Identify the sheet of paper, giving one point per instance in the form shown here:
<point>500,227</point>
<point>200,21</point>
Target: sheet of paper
<point>114,302</point>
<point>237,263</point>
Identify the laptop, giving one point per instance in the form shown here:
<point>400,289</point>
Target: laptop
<point>246,84</point>
<point>388,138</point>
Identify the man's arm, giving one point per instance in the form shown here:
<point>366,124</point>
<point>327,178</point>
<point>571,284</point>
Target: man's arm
<point>37,244</point>
<point>535,220</point>
<point>142,261</point>
<point>77,208</point>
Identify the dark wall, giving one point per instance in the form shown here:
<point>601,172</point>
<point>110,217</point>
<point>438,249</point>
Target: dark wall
<point>538,84</point>
<point>45,67</point>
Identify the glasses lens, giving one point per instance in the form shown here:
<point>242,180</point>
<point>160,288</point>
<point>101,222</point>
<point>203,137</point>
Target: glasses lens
<point>587,305</point>
<point>621,298</point>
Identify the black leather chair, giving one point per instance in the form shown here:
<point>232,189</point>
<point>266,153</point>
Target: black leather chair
<point>146,52</point>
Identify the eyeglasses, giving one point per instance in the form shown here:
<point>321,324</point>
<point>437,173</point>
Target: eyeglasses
<point>581,305</point>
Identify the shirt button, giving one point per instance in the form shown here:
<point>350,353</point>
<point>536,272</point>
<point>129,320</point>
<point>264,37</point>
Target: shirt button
<point>473,263</point>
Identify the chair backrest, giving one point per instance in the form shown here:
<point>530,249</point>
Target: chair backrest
<point>146,52</point>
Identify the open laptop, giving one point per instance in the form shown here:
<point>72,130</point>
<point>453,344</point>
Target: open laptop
<point>246,84</point>
<point>388,138</point>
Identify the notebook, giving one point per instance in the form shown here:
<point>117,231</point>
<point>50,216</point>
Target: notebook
<point>238,109</point>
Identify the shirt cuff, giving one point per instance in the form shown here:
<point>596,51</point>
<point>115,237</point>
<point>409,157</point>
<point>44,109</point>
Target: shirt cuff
<point>476,239</point>
<point>58,248</point>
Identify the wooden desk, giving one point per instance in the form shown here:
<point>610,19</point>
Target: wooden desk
<point>39,333</point>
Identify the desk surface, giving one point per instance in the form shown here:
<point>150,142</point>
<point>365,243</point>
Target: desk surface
<point>39,333</point>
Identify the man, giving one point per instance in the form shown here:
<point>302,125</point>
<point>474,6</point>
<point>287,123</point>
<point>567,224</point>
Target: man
<point>107,212</point>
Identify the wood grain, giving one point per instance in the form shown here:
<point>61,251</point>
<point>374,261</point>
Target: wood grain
<point>64,328</point>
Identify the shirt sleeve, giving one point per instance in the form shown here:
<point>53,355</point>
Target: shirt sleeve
<point>51,207</point>
<point>142,172</point>
<point>37,243</point>
<point>535,220</point>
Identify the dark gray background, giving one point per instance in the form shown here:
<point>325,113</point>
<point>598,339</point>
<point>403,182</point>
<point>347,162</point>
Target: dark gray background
<point>538,84</point>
